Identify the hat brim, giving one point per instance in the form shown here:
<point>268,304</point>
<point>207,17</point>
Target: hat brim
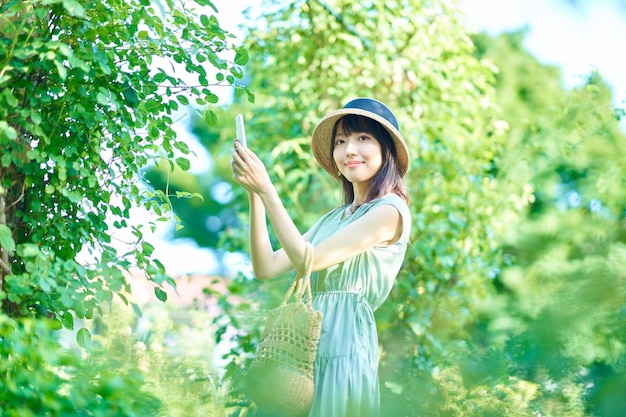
<point>322,136</point>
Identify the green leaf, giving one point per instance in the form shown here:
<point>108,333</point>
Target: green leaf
<point>182,146</point>
<point>68,321</point>
<point>180,18</point>
<point>250,95</point>
<point>28,250</point>
<point>36,117</point>
<point>153,131</point>
<point>183,99</point>
<point>210,118</point>
<point>147,248</point>
<point>183,194</point>
<point>123,298</point>
<point>207,3</point>
<point>102,98</point>
<point>159,78</point>
<point>7,131</point>
<point>6,159</point>
<point>136,309</point>
<point>74,8</point>
<point>64,49</point>
<point>237,72</point>
<point>61,69</point>
<point>160,294</point>
<point>130,97</point>
<point>83,338</point>
<point>10,98</point>
<point>6,238</point>
<point>183,163</point>
<point>241,56</point>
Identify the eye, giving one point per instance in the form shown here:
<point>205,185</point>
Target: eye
<point>363,137</point>
<point>339,141</point>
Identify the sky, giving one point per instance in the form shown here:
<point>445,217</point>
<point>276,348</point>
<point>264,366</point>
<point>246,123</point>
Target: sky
<point>579,36</point>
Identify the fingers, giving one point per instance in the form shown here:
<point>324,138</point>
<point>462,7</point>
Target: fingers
<point>239,162</point>
<point>245,155</point>
<point>235,162</point>
<point>241,151</point>
<point>248,170</point>
<point>238,154</point>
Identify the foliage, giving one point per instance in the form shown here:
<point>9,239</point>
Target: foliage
<point>211,221</point>
<point>565,290</point>
<point>88,95</point>
<point>40,378</point>
<point>172,347</point>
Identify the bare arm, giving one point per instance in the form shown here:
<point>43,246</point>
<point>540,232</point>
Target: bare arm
<point>379,226</point>
<point>266,262</point>
<point>249,171</point>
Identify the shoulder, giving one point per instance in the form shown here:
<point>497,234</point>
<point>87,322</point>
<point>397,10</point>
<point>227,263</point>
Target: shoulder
<point>394,207</point>
<point>393,200</point>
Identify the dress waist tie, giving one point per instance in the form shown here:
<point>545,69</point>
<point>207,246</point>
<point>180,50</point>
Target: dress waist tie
<point>360,299</point>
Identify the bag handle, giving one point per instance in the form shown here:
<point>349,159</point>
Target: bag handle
<point>302,281</point>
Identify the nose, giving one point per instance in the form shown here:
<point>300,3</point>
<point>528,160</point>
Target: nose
<point>351,146</point>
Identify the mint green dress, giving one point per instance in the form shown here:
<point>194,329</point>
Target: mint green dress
<point>346,367</point>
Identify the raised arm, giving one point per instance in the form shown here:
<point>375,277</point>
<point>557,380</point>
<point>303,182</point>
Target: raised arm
<point>381,225</point>
<point>266,262</point>
<point>249,171</point>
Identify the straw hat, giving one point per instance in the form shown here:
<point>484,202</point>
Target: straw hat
<point>368,107</point>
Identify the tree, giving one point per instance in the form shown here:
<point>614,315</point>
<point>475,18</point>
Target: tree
<point>564,286</point>
<point>89,92</point>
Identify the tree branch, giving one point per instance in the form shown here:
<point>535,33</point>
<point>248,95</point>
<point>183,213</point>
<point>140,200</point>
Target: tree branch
<point>4,256</point>
<point>6,268</point>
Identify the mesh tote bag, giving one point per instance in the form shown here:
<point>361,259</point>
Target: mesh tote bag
<point>280,378</point>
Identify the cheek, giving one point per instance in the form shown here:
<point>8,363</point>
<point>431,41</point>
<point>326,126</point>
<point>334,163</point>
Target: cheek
<point>375,152</point>
<point>336,155</point>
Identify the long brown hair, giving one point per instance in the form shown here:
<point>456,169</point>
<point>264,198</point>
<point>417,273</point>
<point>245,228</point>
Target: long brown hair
<point>387,179</point>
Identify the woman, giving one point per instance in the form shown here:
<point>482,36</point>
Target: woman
<point>359,247</point>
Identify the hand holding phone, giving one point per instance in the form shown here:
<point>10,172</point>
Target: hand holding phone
<point>241,130</point>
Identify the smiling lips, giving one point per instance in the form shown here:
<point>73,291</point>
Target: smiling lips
<point>353,164</point>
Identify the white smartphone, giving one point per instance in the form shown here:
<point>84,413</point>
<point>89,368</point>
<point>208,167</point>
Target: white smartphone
<point>241,130</point>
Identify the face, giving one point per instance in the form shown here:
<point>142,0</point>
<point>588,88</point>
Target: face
<point>358,155</point>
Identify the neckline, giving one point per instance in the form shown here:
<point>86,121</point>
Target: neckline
<point>347,212</point>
